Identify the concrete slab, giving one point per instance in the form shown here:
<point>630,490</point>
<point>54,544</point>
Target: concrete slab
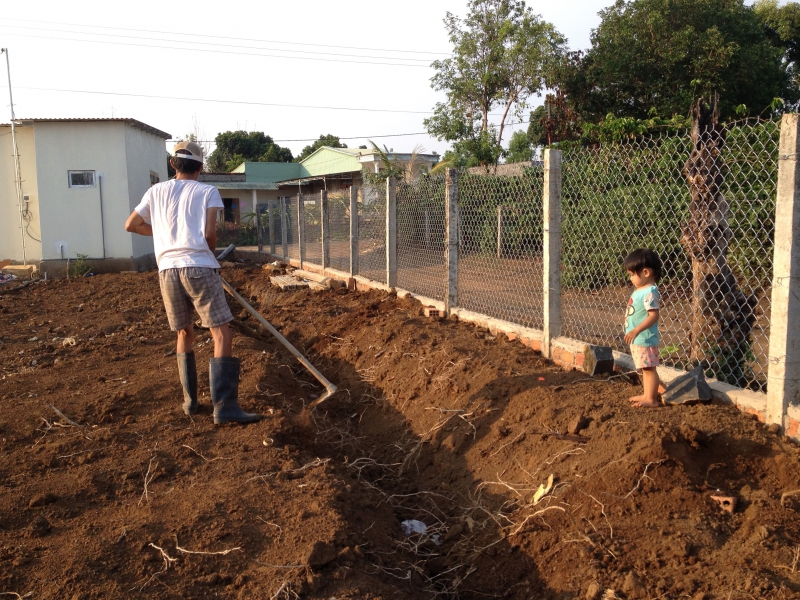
<point>287,282</point>
<point>21,271</point>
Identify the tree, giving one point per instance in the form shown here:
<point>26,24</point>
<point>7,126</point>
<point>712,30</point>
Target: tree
<point>236,147</point>
<point>782,24</point>
<point>519,148</point>
<point>502,54</point>
<point>722,316</point>
<point>324,140</point>
<point>654,57</point>
<point>554,121</point>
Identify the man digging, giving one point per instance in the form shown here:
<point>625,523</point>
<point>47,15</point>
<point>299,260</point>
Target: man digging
<point>181,215</point>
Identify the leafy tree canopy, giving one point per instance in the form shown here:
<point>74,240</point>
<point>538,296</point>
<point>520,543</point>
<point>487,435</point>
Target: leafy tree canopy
<point>654,57</point>
<point>324,140</point>
<point>236,147</point>
<point>782,24</point>
<point>502,54</point>
<point>519,148</point>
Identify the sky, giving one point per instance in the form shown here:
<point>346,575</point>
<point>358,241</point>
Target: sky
<point>294,70</point>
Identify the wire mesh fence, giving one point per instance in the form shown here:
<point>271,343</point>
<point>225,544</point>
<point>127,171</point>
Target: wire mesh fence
<point>242,233</point>
<point>500,246</point>
<point>372,232</point>
<point>421,236</point>
<point>717,265</point>
<point>339,223</point>
<point>707,209</point>
<point>312,223</point>
<point>290,225</point>
<point>277,226</point>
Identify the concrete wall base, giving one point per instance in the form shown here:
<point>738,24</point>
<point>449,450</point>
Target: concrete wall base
<point>58,268</point>
<point>568,353</point>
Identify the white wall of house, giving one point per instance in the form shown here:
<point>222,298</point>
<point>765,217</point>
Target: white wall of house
<point>91,220</point>
<point>10,238</point>
<point>145,153</point>
<point>71,217</point>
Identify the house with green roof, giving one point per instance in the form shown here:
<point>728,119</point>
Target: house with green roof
<point>337,169</point>
<point>333,169</point>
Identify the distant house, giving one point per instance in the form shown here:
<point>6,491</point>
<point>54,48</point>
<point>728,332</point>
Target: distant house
<point>337,169</point>
<point>81,178</point>
<point>249,185</point>
<point>334,169</point>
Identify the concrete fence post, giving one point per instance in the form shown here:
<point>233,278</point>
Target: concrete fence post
<point>391,232</point>
<point>353,231</point>
<point>257,217</point>
<point>325,221</point>
<point>552,250</point>
<point>451,239</point>
<point>301,228</point>
<point>285,229</point>
<point>783,374</point>
<point>271,217</point>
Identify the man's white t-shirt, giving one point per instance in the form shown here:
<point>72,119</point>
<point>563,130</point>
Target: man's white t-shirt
<point>176,209</point>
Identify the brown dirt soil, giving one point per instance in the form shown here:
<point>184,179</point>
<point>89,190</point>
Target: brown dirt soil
<point>435,420</point>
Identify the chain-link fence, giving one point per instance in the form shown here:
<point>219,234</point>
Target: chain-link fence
<point>372,232</point>
<point>500,246</point>
<point>717,265</point>
<point>290,225</point>
<point>339,223</point>
<point>312,223</point>
<point>707,209</point>
<point>242,233</point>
<point>421,237</point>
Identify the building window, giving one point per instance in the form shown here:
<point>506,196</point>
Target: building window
<point>153,178</point>
<point>81,179</point>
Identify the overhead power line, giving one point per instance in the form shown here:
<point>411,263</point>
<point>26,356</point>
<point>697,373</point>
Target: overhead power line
<point>383,110</point>
<point>245,102</point>
<point>207,43</point>
<point>221,37</point>
<point>162,47</point>
<point>356,137</point>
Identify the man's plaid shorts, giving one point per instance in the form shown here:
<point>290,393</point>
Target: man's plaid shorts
<point>198,288</point>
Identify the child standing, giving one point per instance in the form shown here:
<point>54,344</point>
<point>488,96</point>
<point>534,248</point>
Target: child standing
<point>641,322</point>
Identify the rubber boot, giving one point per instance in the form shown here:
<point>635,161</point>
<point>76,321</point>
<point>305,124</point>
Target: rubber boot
<point>223,374</point>
<point>187,371</point>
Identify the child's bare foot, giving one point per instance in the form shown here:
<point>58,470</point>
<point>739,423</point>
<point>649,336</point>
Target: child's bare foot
<point>645,403</point>
<point>638,398</point>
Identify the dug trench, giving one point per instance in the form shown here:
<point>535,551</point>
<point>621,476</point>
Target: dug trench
<point>532,482</point>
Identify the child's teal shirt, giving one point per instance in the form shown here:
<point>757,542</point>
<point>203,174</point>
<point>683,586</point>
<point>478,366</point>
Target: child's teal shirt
<point>642,300</point>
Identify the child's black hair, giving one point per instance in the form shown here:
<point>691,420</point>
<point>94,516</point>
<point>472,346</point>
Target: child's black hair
<point>643,258</point>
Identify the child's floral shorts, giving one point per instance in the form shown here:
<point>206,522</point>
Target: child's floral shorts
<point>645,356</point>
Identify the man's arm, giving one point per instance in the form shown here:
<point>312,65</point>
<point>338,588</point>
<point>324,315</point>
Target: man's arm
<point>136,224</point>
<point>211,228</point>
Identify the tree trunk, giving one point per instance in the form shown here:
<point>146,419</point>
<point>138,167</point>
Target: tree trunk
<point>722,315</point>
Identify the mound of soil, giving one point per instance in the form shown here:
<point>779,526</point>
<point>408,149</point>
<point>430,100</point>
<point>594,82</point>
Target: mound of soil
<point>531,482</point>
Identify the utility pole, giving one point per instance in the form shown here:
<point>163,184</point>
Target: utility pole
<point>17,173</point>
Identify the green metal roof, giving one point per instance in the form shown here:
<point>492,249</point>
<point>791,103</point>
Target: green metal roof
<point>243,185</point>
<point>324,161</point>
<point>269,172</point>
<point>327,161</point>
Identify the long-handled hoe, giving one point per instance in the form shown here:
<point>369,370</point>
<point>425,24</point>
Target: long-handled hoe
<point>330,389</point>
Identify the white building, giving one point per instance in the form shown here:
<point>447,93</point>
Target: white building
<point>81,178</point>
